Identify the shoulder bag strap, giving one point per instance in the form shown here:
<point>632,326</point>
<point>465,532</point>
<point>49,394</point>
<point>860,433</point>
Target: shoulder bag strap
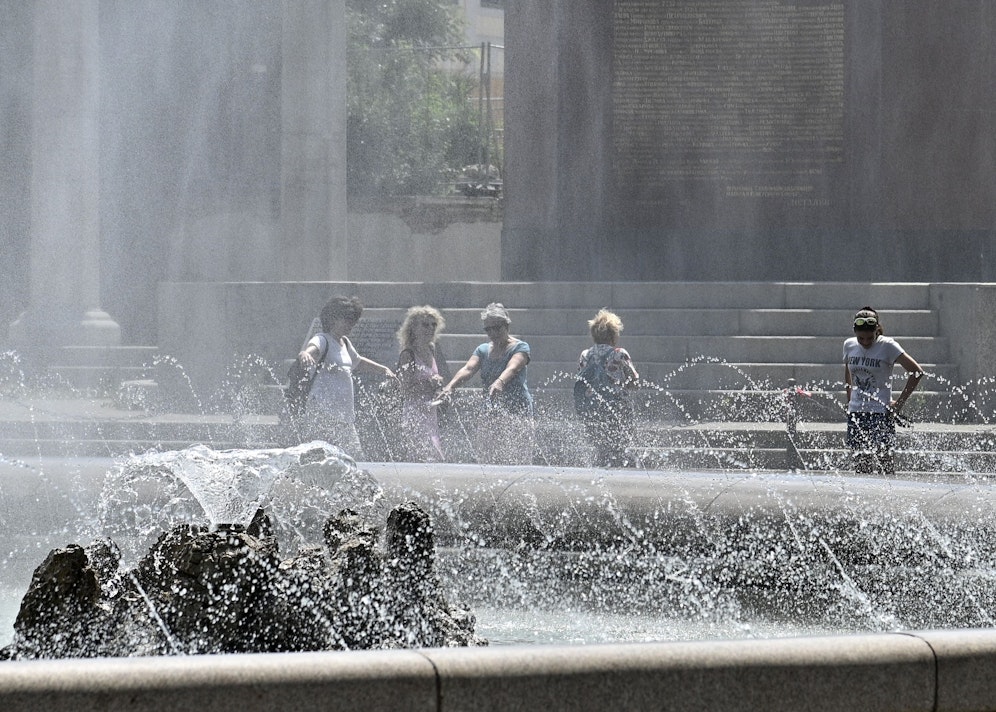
<point>323,352</point>
<point>398,366</point>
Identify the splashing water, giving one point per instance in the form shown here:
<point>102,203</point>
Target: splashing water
<point>300,487</point>
<point>594,568</point>
<point>229,486</point>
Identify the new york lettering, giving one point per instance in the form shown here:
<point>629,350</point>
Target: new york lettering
<point>865,361</point>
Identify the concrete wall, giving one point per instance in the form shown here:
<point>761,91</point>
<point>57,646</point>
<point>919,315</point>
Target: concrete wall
<point>426,240</point>
<point>910,167</point>
<point>929,671</point>
<point>967,317</point>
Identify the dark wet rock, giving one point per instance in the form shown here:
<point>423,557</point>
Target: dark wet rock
<point>62,604</point>
<point>227,591</point>
<point>348,525</point>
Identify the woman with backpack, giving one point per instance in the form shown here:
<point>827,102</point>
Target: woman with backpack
<point>606,376</point>
<point>330,414</point>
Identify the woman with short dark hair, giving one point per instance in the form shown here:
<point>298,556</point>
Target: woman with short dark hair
<point>330,414</point>
<point>505,425</point>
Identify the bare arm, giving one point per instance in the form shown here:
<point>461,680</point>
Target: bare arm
<point>365,364</point>
<point>466,372</point>
<point>309,356</point>
<point>632,379</point>
<point>912,381</point>
<point>515,364</point>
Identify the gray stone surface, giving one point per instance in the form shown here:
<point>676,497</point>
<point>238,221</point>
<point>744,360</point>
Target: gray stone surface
<point>396,680</point>
<point>891,672</point>
<point>748,141</point>
<point>848,673</point>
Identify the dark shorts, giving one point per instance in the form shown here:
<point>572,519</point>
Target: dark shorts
<point>871,431</point>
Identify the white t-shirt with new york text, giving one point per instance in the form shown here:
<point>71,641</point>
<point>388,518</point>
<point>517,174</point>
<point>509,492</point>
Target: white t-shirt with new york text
<point>871,373</point>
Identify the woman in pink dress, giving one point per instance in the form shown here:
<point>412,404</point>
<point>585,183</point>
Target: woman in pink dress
<point>422,372</point>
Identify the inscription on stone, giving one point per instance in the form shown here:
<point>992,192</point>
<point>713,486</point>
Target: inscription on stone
<point>745,95</point>
<point>376,339</point>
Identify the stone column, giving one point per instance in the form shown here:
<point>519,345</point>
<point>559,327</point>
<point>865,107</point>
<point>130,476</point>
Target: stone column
<point>313,235</point>
<point>64,309</point>
<point>532,75</point>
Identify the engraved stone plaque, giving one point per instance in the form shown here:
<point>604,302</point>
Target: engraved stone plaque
<point>727,101</point>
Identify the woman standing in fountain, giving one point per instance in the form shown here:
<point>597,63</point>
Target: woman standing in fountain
<point>505,432</point>
<point>422,371</point>
<point>606,376</point>
<point>330,414</point>
<point>869,356</point>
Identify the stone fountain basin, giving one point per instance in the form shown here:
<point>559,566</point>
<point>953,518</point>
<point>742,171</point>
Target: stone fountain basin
<point>49,502</point>
<point>507,499</point>
<point>43,503</point>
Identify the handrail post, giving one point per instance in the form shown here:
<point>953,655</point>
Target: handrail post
<point>793,458</point>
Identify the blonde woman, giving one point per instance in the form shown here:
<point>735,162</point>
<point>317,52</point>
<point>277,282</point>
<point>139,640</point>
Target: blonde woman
<point>422,372</point>
<point>606,376</point>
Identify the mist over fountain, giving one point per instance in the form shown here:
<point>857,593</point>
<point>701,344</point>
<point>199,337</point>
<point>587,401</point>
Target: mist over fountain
<point>550,553</point>
<point>206,182</point>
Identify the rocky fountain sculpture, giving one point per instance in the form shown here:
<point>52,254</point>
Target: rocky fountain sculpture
<point>223,587</point>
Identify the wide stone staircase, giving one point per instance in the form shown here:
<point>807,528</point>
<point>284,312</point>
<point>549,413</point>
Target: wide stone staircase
<point>744,375</point>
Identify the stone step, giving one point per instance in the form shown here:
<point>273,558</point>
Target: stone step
<point>704,378</point>
<point>629,295</point>
<point>952,463</point>
<point>553,398</point>
<point>100,369</point>
<point>732,349</point>
<point>685,406</point>
<point>686,400</point>
<point>189,431</point>
<point>106,356</point>
<point>846,295</point>
<point>726,376</point>
<point>32,447</point>
<point>565,321</point>
<point>100,379</point>
<point>925,447</point>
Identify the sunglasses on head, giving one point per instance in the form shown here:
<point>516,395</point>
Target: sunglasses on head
<point>866,321</point>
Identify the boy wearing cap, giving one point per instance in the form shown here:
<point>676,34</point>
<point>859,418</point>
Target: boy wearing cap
<point>869,357</point>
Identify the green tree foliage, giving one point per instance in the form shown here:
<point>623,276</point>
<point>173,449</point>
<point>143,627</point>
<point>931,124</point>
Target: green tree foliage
<point>410,118</point>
